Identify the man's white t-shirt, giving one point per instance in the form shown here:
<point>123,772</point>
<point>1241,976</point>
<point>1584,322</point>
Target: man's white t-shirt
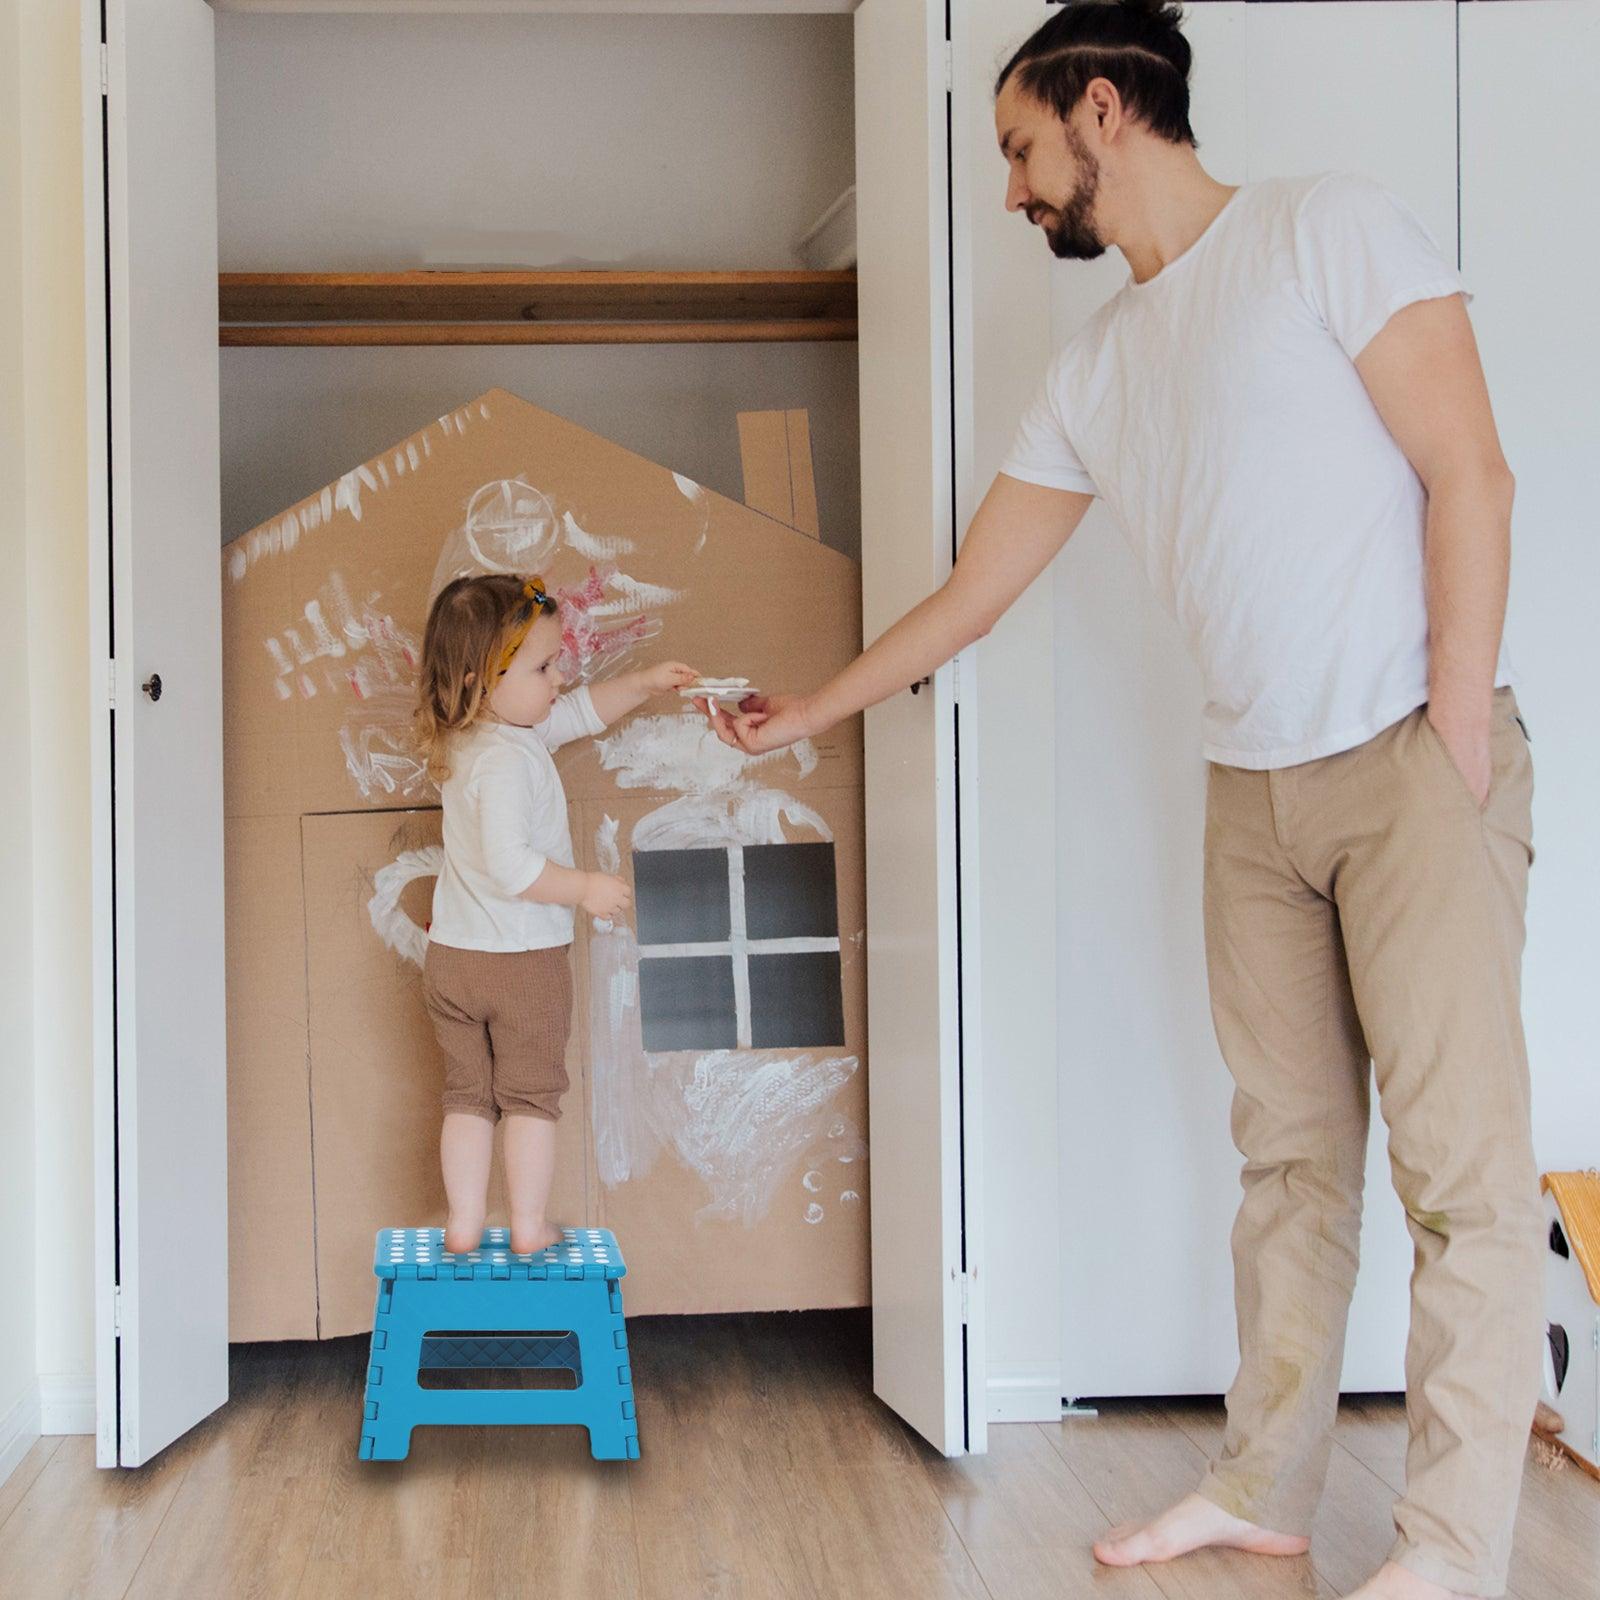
<point>505,817</point>
<point>1217,410</point>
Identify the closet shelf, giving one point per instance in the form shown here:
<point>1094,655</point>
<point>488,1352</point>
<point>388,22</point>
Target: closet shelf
<point>416,308</point>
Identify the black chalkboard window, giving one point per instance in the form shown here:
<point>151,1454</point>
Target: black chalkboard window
<point>687,1003</point>
<point>789,892</point>
<point>738,947</point>
<point>795,1000</point>
<point>682,896</point>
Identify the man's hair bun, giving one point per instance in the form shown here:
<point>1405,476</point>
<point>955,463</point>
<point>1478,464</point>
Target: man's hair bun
<point>1137,45</point>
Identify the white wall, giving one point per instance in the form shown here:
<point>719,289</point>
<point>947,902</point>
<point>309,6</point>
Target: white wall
<point>46,1175</point>
<point>19,1395</point>
<point>536,140</point>
<point>1530,229</point>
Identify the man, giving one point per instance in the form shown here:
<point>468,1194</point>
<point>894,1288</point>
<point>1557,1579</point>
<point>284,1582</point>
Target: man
<point>1285,410</point>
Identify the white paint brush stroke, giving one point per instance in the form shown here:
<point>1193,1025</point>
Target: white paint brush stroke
<point>695,495</point>
<point>681,752</point>
<point>590,546</point>
<point>379,672</point>
<point>344,495</point>
<point>389,922</point>
<point>605,845</point>
<point>745,814</point>
<point>752,1114</point>
<point>633,596</point>
<point>511,527</point>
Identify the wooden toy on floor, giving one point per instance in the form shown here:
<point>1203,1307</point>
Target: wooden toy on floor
<point>1571,1410</point>
<point>560,1307</point>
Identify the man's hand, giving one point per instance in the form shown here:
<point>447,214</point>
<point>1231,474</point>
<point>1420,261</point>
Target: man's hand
<point>1466,742</point>
<point>763,722</point>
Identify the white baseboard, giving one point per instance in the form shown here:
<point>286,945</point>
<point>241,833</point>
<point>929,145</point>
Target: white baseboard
<point>19,1427</point>
<point>1028,1391</point>
<point>66,1402</point>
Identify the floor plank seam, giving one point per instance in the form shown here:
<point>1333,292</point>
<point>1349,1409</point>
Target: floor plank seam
<point>926,1474</point>
<point>172,1500</point>
<point>43,1465</point>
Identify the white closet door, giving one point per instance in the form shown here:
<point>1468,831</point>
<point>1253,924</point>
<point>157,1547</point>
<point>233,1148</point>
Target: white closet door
<point>919,1268</point>
<point>1149,1176</point>
<point>161,1135</point>
<point>1530,233</point>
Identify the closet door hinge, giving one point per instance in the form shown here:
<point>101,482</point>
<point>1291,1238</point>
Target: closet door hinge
<point>105,70</point>
<point>949,67</point>
<point>116,1310</point>
<point>111,684</point>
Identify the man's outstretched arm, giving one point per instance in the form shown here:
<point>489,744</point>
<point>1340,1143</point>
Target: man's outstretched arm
<point>1012,538</point>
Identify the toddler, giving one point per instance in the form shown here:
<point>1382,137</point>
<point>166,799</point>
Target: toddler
<point>497,980</point>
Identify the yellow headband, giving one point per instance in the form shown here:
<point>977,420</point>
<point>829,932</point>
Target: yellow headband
<point>535,591</point>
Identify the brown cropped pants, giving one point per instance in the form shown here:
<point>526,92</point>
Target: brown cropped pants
<point>1362,907</point>
<point>502,1019</point>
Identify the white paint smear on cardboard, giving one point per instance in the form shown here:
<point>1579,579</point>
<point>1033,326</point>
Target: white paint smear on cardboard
<point>745,814</point>
<point>378,660</point>
<point>681,752</point>
<point>590,546</point>
<point>389,921</point>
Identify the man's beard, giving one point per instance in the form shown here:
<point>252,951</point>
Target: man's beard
<point>1072,235</point>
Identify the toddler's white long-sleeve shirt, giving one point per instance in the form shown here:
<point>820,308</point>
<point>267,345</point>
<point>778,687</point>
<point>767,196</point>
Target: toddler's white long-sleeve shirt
<point>505,818</point>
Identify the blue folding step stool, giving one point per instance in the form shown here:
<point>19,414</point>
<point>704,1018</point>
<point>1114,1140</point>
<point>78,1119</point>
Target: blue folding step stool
<point>560,1307</point>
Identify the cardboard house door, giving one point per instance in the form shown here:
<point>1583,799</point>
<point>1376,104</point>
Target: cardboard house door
<point>927,1343</point>
<point>160,1068</point>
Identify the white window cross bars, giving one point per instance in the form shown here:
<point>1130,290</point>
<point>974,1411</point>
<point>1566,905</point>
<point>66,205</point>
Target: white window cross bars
<point>740,946</point>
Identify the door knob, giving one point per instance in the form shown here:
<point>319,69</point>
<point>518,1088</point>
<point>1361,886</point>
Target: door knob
<point>152,686</point>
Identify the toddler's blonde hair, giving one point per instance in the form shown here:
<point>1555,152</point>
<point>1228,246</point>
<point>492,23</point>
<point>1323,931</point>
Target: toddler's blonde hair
<point>470,623</point>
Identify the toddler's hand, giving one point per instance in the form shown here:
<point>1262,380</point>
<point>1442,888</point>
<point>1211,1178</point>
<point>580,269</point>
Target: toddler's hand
<point>668,675</point>
<point>605,896</point>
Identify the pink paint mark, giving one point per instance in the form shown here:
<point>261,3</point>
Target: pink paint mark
<point>585,642</point>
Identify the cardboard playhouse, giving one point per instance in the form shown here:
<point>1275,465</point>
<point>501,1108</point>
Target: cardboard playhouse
<point>717,1114</point>
<point>1570,1414</point>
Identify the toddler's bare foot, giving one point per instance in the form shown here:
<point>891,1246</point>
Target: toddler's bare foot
<point>532,1234</point>
<point>460,1237</point>
<point>1193,1524</point>
<point>1391,1582</point>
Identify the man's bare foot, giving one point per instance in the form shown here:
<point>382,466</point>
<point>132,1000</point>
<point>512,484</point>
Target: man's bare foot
<point>531,1235</point>
<point>1391,1582</point>
<point>460,1237</point>
<point>1193,1524</point>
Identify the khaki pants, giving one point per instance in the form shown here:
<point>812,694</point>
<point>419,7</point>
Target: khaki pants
<point>1361,907</point>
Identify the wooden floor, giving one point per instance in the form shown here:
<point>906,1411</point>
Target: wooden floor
<point>768,1469</point>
